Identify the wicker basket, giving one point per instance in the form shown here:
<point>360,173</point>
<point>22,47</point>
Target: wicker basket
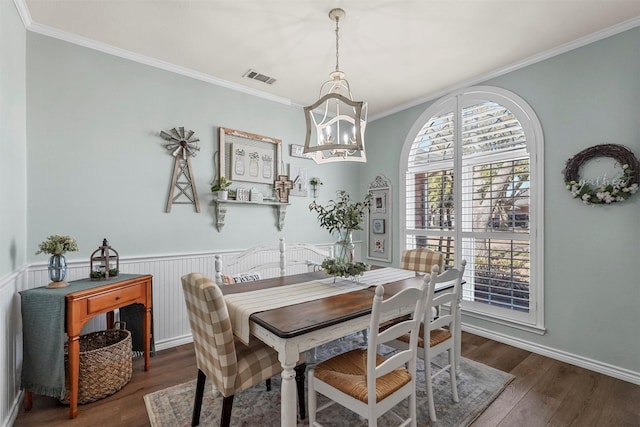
<point>105,365</point>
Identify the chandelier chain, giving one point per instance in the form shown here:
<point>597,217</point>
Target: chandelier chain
<point>337,43</point>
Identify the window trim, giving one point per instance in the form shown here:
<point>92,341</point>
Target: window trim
<point>535,147</point>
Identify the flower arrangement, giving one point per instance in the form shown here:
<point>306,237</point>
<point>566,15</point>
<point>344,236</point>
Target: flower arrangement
<point>57,244</point>
<point>340,268</point>
<point>315,181</point>
<point>603,190</point>
<point>617,190</point>
<point>342,215</point>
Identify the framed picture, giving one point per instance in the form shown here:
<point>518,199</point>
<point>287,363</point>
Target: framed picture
<point>380,242</point>
<point>298,151</point>
<point>300,180</point>
<point>377,226</point>
<point>249,160</point>
<point>379,203</point>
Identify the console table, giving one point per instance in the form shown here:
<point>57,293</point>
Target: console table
<point>67,310</point>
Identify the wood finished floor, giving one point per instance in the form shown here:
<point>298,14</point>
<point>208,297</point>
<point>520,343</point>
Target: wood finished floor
<point>545,392</point>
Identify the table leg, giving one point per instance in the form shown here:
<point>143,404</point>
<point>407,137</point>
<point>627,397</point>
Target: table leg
<point>74,373</point>
<point>28,400</point>
<point>146,336</point>
<point>288,396</point>
<point>110,319</point>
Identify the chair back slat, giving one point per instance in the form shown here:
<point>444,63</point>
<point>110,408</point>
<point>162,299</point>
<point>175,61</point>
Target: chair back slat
<point>398,303</point>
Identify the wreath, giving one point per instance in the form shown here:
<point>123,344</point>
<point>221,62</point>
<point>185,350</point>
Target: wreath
<point>607,191</point>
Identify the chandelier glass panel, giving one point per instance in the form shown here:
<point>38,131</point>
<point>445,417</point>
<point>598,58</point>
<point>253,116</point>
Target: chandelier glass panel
<point>335,122</point>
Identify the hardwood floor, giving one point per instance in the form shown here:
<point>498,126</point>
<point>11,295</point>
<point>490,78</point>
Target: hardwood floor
<point>545,392</point>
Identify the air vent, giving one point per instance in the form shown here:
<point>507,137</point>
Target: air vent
<point>260,77</point>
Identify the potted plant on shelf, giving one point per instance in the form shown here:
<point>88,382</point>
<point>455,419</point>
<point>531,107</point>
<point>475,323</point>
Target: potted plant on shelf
<point>221,188</point>
<point>342,216</point>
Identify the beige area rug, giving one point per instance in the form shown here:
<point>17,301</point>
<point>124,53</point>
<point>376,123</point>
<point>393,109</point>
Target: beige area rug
<point>478,386</point>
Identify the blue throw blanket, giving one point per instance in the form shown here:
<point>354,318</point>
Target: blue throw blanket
<point>43,335</point>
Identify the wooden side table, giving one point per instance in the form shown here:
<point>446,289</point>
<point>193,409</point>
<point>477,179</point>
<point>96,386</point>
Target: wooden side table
<point>84,304</point>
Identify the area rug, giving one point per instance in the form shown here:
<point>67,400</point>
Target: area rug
<point>478,386</point>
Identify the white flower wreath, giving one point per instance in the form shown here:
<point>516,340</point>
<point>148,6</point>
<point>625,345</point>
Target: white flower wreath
<point>618,190</point>
<point>605,191</point>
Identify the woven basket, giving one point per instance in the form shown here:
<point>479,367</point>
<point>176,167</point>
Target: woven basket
<point>105,365</point>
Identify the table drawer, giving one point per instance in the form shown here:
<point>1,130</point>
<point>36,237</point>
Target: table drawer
<point>114,299</point>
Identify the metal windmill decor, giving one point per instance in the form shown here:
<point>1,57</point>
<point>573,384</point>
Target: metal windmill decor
<point>183,145</point>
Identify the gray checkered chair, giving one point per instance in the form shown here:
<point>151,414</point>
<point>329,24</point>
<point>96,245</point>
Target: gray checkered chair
<point>231,365</point>
<point>422,260</point>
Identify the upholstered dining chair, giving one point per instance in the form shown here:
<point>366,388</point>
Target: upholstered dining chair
<point>366,382</point>
<point>438,334</point>
<point>421,260</point>
<point>225,360</point>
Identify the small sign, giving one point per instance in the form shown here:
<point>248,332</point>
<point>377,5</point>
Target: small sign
<point>298,151</point>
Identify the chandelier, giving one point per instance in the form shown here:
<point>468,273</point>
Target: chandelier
<point>335,122</point>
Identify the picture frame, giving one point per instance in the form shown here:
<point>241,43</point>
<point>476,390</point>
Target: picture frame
<point>299,176</point>
<point>298,151</point>
<point>266,153</point>
<point>377,226</point>
<point>379,204</point>
<point>380,241</point>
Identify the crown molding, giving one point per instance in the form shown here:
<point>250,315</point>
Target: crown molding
<point>559,50</point>
<point>146,60</point>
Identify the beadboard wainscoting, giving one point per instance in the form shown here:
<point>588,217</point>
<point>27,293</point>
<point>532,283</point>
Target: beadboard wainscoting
<point>170,319</point>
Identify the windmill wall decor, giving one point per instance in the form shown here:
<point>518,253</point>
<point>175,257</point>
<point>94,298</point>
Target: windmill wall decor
<point>183,145</point>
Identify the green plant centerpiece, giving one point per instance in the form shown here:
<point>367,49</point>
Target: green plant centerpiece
<point>343,216</point>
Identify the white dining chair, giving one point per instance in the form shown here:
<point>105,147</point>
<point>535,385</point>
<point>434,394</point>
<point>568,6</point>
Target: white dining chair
<point>366,382</point>
<point>438,334</point>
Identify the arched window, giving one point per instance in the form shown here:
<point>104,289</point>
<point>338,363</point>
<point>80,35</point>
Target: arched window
<point>471,171</point>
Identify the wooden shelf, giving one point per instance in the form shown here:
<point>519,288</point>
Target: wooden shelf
<point>221,210</point>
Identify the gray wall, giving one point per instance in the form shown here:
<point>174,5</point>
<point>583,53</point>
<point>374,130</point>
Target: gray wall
<point>13,140</point>
<point>98,168</point>
<point>585,97</point>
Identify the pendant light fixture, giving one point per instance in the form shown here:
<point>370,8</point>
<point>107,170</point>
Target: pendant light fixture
<point>335,122</point>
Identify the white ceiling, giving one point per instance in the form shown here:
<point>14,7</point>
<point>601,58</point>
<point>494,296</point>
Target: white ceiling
<point>394,53</point>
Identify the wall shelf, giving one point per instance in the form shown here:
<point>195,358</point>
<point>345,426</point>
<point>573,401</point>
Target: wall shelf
<point>221,210</point>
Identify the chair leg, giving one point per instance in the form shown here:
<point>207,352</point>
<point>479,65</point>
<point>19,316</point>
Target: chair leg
<point>452,374</point>
<point>197,404</point>
<point>300,369</point>
<point>225,417</point>
<point>428,383</point>
<point>268,384</point>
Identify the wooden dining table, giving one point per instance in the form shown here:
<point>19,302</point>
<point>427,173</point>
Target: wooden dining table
<point>293,329</point>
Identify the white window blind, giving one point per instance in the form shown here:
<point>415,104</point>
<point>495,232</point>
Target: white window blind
<point>468,191</point>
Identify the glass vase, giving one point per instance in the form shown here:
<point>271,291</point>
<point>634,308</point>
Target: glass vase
<point>57,268</point>
<point>344,247</point>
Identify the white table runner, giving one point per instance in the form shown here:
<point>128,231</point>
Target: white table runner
<point>244,304</point>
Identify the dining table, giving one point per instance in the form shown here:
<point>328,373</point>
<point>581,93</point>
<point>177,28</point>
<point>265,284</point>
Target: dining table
<point>296,313</point>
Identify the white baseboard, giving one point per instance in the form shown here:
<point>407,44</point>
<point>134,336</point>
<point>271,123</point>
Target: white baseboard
<point>173,342</point>
<point>583,362</point>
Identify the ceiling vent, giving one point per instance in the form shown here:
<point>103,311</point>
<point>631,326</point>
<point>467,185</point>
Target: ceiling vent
<point>260,77</point>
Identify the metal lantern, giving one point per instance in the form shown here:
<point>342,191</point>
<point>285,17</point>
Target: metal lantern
<point>104,262</point>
